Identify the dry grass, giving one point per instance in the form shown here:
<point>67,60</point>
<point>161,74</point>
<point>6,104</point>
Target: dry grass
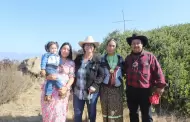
<point>12,82</point>
<point>164,118</point>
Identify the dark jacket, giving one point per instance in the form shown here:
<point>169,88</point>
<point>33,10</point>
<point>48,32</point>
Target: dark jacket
<point>94,72</point>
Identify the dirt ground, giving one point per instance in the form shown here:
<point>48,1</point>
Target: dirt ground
<point>27,109</point>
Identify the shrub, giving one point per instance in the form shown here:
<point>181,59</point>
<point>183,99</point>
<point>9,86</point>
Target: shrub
<point>171,45</point>
<point>12,81</point>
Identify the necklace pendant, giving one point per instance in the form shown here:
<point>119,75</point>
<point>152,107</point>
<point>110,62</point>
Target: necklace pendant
<point>135,64</point>
<point>111,71</point>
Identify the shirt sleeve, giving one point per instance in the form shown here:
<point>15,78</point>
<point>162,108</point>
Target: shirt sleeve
<point>72,70</point>
<point>44,60</point>
<point>158,78</point>
<point>100,76</point>
<point>122,65</point>
<point>125,67</point>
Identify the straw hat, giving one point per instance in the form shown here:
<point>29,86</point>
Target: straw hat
<point>89,39</point>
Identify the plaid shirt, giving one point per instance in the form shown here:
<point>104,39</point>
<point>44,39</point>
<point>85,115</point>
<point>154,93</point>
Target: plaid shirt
<point>79,89</point>
<point>146,72</point>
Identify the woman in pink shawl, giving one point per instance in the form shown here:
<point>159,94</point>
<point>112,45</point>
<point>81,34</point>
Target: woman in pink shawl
<point>56,109</point>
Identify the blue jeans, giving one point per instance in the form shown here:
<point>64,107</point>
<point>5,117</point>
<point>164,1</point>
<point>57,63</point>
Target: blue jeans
<point>79,107</point>
<point>50,83</point>
<point>51,70</point>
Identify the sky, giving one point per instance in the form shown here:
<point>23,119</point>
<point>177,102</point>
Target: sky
<point>27,25</point>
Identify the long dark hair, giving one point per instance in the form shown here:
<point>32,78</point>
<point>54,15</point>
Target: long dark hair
<point>70,52</point>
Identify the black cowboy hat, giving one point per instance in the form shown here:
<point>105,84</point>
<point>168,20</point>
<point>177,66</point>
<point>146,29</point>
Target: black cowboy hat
<point>144,39</point>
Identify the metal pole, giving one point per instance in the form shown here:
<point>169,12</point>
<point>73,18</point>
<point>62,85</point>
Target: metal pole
<point>123,20</point>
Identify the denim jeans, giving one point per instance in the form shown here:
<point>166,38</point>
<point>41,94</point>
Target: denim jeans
<point>51,70</point>
<point>139,97</point>
<point>79,107</point>
<point>50,84</point>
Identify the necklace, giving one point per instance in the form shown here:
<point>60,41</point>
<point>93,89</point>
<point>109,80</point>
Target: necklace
<point>112,61</point>
<point>135,62</point>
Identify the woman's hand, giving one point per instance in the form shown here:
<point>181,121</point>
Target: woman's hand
<point>63,91</point>
<point>92,90</point>
<point>51,77</point>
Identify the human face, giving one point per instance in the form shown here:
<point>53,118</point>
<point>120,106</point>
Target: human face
<point>111,47</point>
<point>53,49</point>
<point>89,47</point>
<point>65,50</point>
<point>136,45</point>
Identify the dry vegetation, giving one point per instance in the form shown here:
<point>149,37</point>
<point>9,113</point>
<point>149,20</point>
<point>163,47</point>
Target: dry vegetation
<point>20,98</point>
<point>12,82</point>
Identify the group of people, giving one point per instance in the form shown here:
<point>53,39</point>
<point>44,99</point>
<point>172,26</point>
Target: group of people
<point>91,75</point>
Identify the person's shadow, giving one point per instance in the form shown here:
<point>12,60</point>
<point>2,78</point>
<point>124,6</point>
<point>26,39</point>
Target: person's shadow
<point>20,119</point>
<point>26,119</point>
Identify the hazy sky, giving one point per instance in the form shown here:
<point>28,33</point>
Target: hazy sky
<point>26,25</point>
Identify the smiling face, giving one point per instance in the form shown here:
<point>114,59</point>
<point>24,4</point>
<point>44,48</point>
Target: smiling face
<point>89,47</point>
<point>65,51</point>
<point>53,49</point>
<point>136,45</point>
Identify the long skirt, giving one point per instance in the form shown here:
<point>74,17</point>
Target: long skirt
<point>111,103</point>
<point>56,110</point>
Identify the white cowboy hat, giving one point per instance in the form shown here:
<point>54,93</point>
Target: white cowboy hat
<point>88,40</point>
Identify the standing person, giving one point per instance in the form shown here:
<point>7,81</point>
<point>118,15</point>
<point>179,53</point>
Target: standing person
<point>143,72</point>
<point>56,110</point>
<point>89,76</point>
<point>111,93</point>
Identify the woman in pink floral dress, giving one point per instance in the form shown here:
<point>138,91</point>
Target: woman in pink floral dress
<point>56,109</point>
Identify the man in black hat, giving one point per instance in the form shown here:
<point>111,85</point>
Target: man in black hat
<point>143,72</point>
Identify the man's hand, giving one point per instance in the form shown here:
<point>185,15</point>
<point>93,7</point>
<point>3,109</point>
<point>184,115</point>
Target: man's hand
<point>159,90</point>
<point>43,73</point>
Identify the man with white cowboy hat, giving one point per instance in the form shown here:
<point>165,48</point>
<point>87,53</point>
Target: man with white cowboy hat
<point>143,72</point>
<point>89,76</point>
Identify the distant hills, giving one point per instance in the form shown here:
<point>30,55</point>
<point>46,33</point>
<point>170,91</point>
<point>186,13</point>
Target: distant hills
<point>17,56</point>
<point>22,56</point>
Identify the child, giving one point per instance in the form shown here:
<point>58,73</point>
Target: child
<point>49,65</point>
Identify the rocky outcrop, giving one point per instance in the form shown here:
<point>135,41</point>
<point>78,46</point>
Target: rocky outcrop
<point>31,65</point>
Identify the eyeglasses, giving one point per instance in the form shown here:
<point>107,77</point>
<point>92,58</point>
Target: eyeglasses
<point>90,44</point>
